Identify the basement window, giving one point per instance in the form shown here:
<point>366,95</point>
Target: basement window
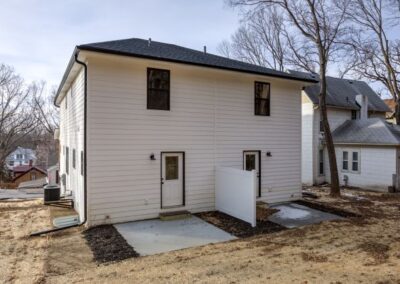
<point>262,97</point>
<point>158,89</point>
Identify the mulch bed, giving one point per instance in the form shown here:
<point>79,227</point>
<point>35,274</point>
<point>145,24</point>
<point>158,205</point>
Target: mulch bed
<point>239,228</point>
<point>108,245</point>
<point>328,209</point>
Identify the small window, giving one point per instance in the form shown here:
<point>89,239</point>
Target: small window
<point>158,84</point>
<point>354,115</point>
<point>67,160</point>
<point>33,176</point>
<point>262,98</point>
<point>321,162</point>
<point>82,164</point>
<point>345,161</point>
<point>354,166</point>
<point>11,163</point>
<point>73,158</point>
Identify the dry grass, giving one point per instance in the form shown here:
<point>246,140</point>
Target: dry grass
<point>362,250</point>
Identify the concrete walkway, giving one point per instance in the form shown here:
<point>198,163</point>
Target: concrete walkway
<point>156,236</point>
<point>293,215</point>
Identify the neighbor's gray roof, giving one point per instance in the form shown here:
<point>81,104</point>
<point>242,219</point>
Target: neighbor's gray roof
<point>372,131</point>
<point>342,93</point>
<point>170,52</point>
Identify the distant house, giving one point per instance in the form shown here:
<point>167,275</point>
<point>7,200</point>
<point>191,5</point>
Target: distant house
<point>390,114</point>
<point>21,157</point>
<point>161,118</point>
<point>27,173</point>
<point>365,144</point>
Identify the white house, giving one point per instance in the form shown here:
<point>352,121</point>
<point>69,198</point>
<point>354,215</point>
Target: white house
<point>21,157</point>
<point>351,105</point>
<point>160,118</point>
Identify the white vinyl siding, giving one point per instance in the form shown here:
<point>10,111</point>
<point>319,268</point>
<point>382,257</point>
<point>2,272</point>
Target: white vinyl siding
<point>71,136</point>
<point>376,165</point>
<point>307,140</point>
<point>211,118</point>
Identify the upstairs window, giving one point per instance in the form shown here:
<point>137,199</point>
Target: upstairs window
<point>158,85</point>
<point>262,97</point>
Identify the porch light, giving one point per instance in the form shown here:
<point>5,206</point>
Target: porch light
<point>152,157</point>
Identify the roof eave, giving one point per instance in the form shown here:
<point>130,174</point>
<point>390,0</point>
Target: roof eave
<point>121,53</point>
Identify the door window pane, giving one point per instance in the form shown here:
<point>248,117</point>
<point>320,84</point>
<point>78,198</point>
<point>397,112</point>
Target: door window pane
<point>250,162</point>
<point>171,168</point>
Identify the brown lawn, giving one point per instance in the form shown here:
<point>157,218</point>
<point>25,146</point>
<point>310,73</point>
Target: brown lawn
<point>355,250</point>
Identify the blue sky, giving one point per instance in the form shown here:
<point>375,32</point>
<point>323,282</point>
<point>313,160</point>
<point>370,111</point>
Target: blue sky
<point>38,37</point>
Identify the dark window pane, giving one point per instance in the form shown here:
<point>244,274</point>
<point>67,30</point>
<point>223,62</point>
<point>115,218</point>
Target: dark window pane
<point>67,160</point>
<point>82,164</point>
<point>171,168</point>
<point>250,162</point>
<point>158,83</point>
<point>158,99</point>
<point>345,155</point>
<point>355,156</point>
<point>321,162</point>
<point>345,165</point>
<point>262,98</point>
<point>355,166</point>
<point>353,114</point>
<point>73,158</point>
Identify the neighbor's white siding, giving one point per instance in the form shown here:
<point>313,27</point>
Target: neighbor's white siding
<point>211,119</point>
<point>377,165</point>
<point>71,135</point>
<point>307,140</point>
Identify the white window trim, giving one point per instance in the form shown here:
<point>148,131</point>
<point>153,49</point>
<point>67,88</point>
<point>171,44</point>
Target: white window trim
<point>350,161</point>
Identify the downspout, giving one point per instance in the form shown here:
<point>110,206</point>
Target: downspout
<point>84,156</point>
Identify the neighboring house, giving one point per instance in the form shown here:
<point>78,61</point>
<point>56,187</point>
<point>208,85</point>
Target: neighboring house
<point>27,173</point>
<point>368,152</point>
<point>347,100</point>
<point>21,157</point>
<point>161,117</point>
<point>392,106</point>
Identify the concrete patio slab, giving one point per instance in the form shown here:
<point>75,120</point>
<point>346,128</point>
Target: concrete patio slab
<point>293,215</point>
<point>156,236</point>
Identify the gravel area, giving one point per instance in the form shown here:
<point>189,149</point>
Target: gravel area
<point>108,245</point>
<point>238,227</point>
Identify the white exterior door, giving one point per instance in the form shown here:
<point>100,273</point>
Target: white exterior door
<point>251,161</point>
<point>172,179</point>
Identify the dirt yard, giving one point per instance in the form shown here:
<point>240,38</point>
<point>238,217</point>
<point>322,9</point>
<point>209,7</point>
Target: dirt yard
<point>362,249</point>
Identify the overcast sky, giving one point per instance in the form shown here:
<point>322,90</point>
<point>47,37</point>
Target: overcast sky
<point>37,37</point>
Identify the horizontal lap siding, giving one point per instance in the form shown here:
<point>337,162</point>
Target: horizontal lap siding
<point>211,119</point>
<point>71,135</point>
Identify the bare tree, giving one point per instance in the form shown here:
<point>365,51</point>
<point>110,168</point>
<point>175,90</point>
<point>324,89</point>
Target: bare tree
<point>374,56</point>
<point>315,30</point>
<point>260,40</point>
<point>16,119</point>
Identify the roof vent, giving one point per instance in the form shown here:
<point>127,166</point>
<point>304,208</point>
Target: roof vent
<point>149,43</point>
<point>205,49</point>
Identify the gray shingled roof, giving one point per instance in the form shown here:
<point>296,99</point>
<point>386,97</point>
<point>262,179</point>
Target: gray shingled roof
<point>343,92</point>
<point>372,131</point>
<point>169,52</point>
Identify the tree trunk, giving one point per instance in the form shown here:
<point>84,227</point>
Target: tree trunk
<point>397,112</point>
<point>335,188</point>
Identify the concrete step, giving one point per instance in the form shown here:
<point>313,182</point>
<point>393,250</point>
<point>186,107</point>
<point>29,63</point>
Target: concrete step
<point>175,215</point>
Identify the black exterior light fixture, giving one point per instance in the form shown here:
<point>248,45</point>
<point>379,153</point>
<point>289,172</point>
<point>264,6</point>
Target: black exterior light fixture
<point>152,157</point>
<point>269,154</point>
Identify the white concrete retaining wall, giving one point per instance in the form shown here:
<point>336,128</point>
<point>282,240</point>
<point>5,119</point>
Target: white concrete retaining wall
<point>235,193</point>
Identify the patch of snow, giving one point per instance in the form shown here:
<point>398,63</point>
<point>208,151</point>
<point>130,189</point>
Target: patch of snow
<point>351,195</point>
<point>287,212</point>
